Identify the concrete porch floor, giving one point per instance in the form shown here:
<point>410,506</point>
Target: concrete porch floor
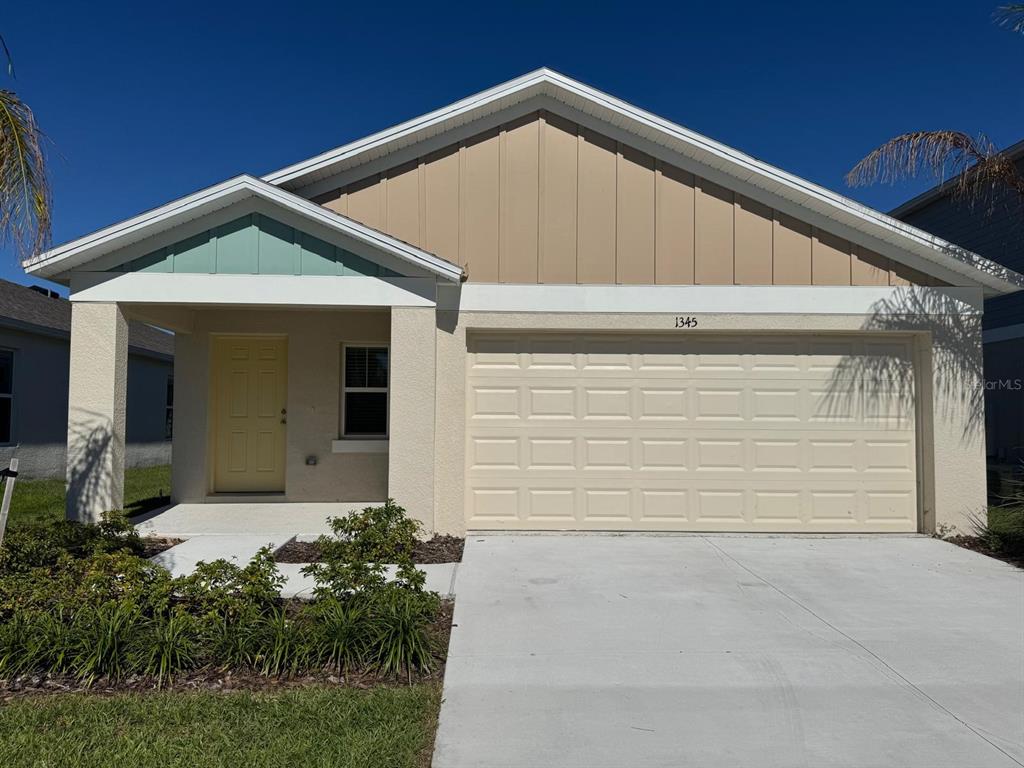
<point>277,521</point>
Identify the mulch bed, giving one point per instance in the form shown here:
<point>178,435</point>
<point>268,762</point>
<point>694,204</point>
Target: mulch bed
<point>154,545</point>
<point>440,549</point>
<point>238,680</point>
<point>978,545</point>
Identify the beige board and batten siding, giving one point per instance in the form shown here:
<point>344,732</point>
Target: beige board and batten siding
<point>544,200</point>
<point>708,433</point>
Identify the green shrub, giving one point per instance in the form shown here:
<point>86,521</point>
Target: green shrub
<point>341,633</point>
<point>166,646</point>
<point>41,545</point>
<point>1002,530</point>
<point>100,641</point>
<point>221,588</point>
<point>364,543</point>
<point>81,603</point>
<point>402,639</point>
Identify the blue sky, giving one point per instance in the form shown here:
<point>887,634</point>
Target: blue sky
<point>145,102</point>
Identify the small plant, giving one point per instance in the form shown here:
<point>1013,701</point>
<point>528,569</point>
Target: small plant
<point>364,543</point>
<point>402,643</point>
<point>41,545</point>
<point>341,633</point>
<point>166,646</point>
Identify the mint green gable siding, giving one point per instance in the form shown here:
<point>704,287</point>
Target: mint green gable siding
<point>255,245</point>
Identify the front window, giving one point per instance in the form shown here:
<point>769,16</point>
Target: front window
<point>364,406</point>
<point>6,395</point>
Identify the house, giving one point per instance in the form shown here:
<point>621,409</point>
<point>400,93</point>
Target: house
<point>541,307</point>
<point>35,329</point>
<point>994,228</point>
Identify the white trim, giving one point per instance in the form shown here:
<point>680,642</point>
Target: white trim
<point>56,263</point>
<point>263,290</point>
<point>351,445</point>
<point>708,299</point>
<point>1006,333</point>
<point>685,143</point>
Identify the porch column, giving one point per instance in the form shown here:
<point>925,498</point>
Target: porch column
<point>96,410</point>
<point>411,442</point>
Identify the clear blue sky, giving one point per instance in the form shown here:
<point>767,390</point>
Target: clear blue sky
<point>145,102</point>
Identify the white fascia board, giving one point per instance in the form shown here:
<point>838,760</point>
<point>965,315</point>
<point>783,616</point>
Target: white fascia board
<point>59,262</point>
<point>142,288</point>
<point>710,299</point>
<point>995,278</point>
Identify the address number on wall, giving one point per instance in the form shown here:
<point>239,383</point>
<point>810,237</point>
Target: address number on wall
<point>686,321</point>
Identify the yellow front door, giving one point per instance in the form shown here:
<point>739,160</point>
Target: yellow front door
<point>250,395</point>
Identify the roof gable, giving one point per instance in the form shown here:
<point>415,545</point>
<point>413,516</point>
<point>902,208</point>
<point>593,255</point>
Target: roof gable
<point>186,218</point>
<point>719,164</point>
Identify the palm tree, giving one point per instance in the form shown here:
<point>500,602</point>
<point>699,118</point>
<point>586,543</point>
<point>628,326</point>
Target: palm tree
<point>981,171</point>
<point>24,187</point>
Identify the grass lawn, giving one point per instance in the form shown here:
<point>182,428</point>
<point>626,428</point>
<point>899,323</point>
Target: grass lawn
<point>37,501</point>
<point>342,727</point>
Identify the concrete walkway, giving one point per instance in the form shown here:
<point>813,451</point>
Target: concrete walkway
<point>740,652</point>
<point>276,519</point>
<point>181,560</point>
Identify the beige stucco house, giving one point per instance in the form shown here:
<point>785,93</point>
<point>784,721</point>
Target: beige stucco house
<point>542,308</point>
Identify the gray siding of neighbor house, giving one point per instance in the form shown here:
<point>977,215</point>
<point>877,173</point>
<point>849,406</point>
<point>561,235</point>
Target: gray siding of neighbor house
<point>994,228</point>
<point>1004,399</point>
<point>40,414</point>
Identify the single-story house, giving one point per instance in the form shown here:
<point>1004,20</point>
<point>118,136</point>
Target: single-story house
<point>993,227</point>
<point>35,330</point>
<point>542,307</point>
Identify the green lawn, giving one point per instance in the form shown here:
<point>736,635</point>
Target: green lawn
<point>338,727</point>
<point>37,501</point>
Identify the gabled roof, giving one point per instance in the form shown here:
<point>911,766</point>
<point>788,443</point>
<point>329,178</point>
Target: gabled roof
<point>29,310</point>
<point>694,147</point>
<point>58,261</point>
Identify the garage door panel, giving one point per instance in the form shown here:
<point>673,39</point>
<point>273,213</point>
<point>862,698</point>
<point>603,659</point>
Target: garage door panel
<point>658,433</point>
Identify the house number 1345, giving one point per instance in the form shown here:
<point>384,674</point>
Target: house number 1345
<point>686,321</point>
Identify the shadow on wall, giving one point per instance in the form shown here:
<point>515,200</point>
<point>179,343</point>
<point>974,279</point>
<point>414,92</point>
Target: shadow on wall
<point>881,385</point>
<point>90,467</point>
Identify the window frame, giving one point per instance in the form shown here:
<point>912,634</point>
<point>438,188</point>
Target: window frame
<point>344,389</point>
<point>10,395</point>
<point>169,407</point>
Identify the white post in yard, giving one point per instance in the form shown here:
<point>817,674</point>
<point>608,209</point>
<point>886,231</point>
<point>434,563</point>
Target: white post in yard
<point>10,475</point>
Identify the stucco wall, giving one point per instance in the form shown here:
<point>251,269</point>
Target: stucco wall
<point>314,392</point>
<point>951,466</point>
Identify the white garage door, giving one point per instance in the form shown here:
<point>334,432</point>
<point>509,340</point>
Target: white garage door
<point>660,432</point>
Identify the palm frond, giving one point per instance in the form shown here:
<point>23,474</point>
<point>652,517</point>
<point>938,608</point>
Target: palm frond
<point>7,55</point>
<point>1011,16</point>
<point>24,188</point>
<point>976,165</point>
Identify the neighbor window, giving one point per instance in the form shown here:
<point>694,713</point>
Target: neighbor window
<point>169,410</point>
<point>364,398</point>
<point>6,394</point>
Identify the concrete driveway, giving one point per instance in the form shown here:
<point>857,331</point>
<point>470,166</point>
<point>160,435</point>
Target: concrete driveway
<point>745,652</point>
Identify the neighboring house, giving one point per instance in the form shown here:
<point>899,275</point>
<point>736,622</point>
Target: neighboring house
<point>543,308</point>
<point>35,327</point>
<point>994,228</point>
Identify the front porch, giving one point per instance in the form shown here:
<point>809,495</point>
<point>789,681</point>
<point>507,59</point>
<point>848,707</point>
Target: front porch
<point>268,443</point>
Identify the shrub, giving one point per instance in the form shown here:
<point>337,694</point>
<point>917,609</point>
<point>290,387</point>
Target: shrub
<point>41,545</point>
<point>221,588</point>
<point>402,640</point>
<point>356,557</point>
<point>341,633</point>
<point>166,645</point>
<point>81,603</point>
<point>1002,530</point>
